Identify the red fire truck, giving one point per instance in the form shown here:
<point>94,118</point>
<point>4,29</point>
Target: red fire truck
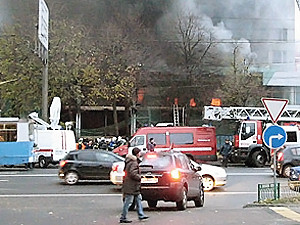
<point>248,145</point>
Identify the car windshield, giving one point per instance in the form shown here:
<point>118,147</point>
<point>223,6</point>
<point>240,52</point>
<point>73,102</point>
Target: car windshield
<point>157,161</point>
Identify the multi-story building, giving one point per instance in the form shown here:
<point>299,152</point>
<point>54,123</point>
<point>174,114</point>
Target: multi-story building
<point>269,26</point>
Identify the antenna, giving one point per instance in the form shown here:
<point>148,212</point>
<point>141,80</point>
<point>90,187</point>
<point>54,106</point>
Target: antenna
<point>55,113</point>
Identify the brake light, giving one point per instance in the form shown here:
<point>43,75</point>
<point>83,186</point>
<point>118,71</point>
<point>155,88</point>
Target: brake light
<point>280,156</point>
<point>151,156</point>
<point>62,163</point>
<point>175,174</point>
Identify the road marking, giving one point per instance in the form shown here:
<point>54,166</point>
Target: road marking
<point>288,213</point>
<point>105,195</point>
<point>28,175</point>
<point>232,193</point>
<point>249,174</point>
<point>3,180</point>
<point>56,175</point>
<point>58,195</point>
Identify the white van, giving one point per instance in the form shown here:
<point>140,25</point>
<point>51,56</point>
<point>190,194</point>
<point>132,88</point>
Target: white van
<point>53,145</point>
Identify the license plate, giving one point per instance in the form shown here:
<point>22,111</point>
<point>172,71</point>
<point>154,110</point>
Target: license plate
<point>146,180</point>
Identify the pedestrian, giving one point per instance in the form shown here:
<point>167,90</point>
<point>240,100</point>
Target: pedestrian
<point>151,144</point>
<point>225,152</point>
<point>80,144</point>
<point>132,186</point>
<point>90,145</point>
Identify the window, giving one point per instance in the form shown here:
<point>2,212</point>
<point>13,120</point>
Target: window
<point>160,139</point>
<point>87,156</point>
<point>279,56</point>
<point>137,141</point>
<point>105,157</point>
<point>295,151</point>
<point>8,132</point>
<point>181,138</point>
<point>161,162</point>
<point>248,130</point>
<point>283,34</point>
<point>183,162</point>
<point>291,136</point>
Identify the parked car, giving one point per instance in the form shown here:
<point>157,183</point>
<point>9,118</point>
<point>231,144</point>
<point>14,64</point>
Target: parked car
<point>294,178</point>
<point>287,157</point>
<point>87,165</point>
<point>213,176</point>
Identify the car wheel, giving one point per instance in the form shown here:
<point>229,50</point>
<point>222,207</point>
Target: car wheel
<point>199,200</point>
<point>43,162</point>
<point>152,203</point>
<point>71,178</point>
<point>286,170</point>
<point>259,159</point>
<point>181,205</point>
<point>208,183</point>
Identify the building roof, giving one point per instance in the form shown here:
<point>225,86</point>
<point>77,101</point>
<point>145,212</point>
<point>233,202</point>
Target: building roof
<point>288,79</point>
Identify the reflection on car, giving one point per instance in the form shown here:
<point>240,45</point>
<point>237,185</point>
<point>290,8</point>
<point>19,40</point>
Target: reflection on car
<point>87,165</point>
<point>287,157</point>
<point>213,176</point>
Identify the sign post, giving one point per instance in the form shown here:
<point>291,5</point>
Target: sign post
<point>274,136</point>
<point>43,53</point>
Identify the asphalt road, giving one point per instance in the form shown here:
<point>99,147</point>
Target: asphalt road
<point>38,197</point>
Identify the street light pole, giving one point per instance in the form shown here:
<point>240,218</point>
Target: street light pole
<point>45,89</point>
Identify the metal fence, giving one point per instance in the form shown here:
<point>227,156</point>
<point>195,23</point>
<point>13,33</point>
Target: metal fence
<point>287,191</point>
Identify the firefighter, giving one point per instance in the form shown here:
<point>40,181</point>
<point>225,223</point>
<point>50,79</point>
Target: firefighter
<point>80,144</point>
<point>225,152</point>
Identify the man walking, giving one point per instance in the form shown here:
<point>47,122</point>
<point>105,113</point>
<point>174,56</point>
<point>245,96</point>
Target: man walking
<point>225,152</point>
<point>132,186</point>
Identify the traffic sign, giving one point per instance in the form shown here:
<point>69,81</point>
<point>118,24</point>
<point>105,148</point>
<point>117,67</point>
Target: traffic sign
<point>274,136</point>
<point>275,107</point>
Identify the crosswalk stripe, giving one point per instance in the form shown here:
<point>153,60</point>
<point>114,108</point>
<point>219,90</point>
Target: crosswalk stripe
<point>287,213</point>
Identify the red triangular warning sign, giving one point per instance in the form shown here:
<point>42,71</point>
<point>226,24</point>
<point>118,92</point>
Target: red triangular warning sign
<point>275,107</point>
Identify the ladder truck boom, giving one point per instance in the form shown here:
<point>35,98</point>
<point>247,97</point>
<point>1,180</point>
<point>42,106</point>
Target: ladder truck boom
<point>290,113</point>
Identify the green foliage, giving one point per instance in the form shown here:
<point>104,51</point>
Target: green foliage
<point>21,66</point>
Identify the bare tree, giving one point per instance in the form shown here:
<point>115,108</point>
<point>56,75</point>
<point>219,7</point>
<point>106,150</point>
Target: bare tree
<point>240,86</point>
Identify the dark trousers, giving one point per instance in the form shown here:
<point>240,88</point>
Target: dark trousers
<point>225,161</point>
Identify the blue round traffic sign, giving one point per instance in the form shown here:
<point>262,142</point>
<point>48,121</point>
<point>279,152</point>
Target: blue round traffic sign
<point>274,136</point>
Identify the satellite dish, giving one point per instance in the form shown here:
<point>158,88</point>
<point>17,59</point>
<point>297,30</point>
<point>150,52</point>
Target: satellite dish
<point>55,113</point>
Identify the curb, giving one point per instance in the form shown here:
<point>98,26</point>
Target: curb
<point>252,205</point>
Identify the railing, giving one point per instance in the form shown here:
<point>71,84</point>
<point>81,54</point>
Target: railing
<point>280,191</point>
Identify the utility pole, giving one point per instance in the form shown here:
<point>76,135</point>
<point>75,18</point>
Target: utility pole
<point>43,53</point>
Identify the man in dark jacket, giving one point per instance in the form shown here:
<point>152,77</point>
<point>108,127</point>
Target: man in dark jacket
<point>151,144</point>
<point>225,152</point>
<point>132,186</point>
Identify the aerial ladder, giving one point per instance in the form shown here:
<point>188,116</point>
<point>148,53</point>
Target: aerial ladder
<point>216,113</point>
<point>176,115</point>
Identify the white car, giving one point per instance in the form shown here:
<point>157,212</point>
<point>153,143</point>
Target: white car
<point>213,176</point>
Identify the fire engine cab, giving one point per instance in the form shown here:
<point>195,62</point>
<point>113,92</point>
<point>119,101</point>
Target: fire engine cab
<point>248,144</point>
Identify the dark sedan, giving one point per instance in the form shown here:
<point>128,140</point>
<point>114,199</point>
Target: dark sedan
<point>87,165</point>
